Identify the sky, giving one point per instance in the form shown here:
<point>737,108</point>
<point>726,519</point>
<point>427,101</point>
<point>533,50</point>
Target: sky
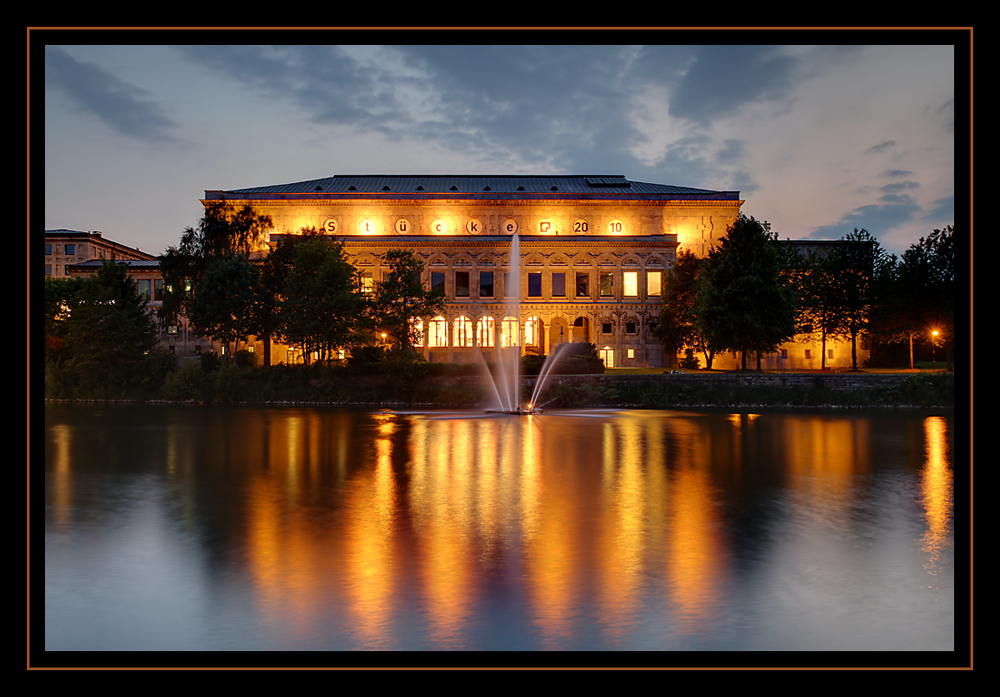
<point>818,139</point>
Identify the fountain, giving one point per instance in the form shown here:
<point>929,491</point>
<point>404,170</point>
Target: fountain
<point>506,384</point>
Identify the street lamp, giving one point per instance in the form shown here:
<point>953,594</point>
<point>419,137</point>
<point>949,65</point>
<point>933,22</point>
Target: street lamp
<point>934,334</point>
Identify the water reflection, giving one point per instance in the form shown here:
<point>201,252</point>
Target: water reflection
<point>332,529</point>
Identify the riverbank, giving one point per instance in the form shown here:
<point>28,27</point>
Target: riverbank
<point>453,389</point>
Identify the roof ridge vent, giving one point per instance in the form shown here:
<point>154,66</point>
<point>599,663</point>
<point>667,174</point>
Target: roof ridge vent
<point>616,180</point>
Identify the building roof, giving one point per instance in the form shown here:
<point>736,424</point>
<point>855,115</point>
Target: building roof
<point>94,236</point>
<point>552,187</point>
<point>132,264</point>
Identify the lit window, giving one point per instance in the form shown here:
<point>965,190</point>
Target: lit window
<point>510,332</point>
<point>582,285</point>
<point>416,331</point>
<point>484,332</point>
<point>654,281</point>
<point>631,353</point>
<point>631,284</point>
<point>367,282</point>
<point>437,332</point>
<point>532,331</point>
<point>142,288</point>
<point>462,332</point>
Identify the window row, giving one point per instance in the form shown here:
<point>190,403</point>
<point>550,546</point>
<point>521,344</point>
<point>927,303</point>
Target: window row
<point>557,284</point>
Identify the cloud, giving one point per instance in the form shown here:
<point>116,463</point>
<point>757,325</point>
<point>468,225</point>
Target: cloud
<point>125,108</point>
<point>881,147</point>
<point>724,78</point>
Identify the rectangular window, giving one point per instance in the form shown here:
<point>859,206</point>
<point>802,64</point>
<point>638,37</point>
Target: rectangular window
<point>829,353</point>
<point>808,353</point>
<point>654,281</point>
<point>71,249</point>
<point>630,327</point>
<point>461,284</point>
<point>605,327</point>
<point>485,284</point>
<point>142,288</point>
<point>48,249</point>
<point>784,353</point>
<point>534,285</point>
<point>631,353</point>
<point>630,284</point>
<point>607,285</point>
<point>558,285</point>
<point>582,285</point>
<point>367,282</point>
<point>437,280</point>
<point>158,289</point>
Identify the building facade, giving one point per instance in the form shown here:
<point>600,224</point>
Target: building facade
<point>581,258</point>
<point>63,248</point>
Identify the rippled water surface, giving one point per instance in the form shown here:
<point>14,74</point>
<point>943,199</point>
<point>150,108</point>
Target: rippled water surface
<point>202,528</point>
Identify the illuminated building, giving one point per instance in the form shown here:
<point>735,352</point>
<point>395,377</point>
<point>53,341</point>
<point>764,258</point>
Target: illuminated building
<point>592,251</point>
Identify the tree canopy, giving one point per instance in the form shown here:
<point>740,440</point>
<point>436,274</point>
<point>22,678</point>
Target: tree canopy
<point>743,302</point>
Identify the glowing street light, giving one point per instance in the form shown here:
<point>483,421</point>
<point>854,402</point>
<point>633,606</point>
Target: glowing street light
<point>934,333</point>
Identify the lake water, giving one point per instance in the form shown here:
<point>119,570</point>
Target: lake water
<point>194,528</point>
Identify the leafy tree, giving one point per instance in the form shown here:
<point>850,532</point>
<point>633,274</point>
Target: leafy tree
<point>859,257</point>
<point>270,288</point>
<point>109,339</point>
<point>223,231</point>
<point>818,281</point>
<point>223,307</point>
<point>401,297</point>
<point>743,301</point>
<point>321,300</point>
<point>677,325</point>
<point>58,298</point>
<point>924,298</point>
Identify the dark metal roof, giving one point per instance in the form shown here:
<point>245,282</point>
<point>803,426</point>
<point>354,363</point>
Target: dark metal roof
<point>476,186</point>
<point>132,264</point>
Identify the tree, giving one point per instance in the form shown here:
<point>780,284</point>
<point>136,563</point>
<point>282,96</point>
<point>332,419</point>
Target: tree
<point>223,307</point>
<point>925,292</point>
<point>270,288</point>
<point>677,325</point>
<point>321,301</point>
<point>109,339</point>
<point>401,297</point>
<point>222,231</point>
<point>817,281</point>
<point>743,302</point>
<point>58,298</point>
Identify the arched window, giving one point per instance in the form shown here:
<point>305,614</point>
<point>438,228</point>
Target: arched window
<point>510,334</point>
<point>437,332</point>
<point>462,332</point>
<point>416,331</point>
<point>532,331</point>
<point>485,331</point>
